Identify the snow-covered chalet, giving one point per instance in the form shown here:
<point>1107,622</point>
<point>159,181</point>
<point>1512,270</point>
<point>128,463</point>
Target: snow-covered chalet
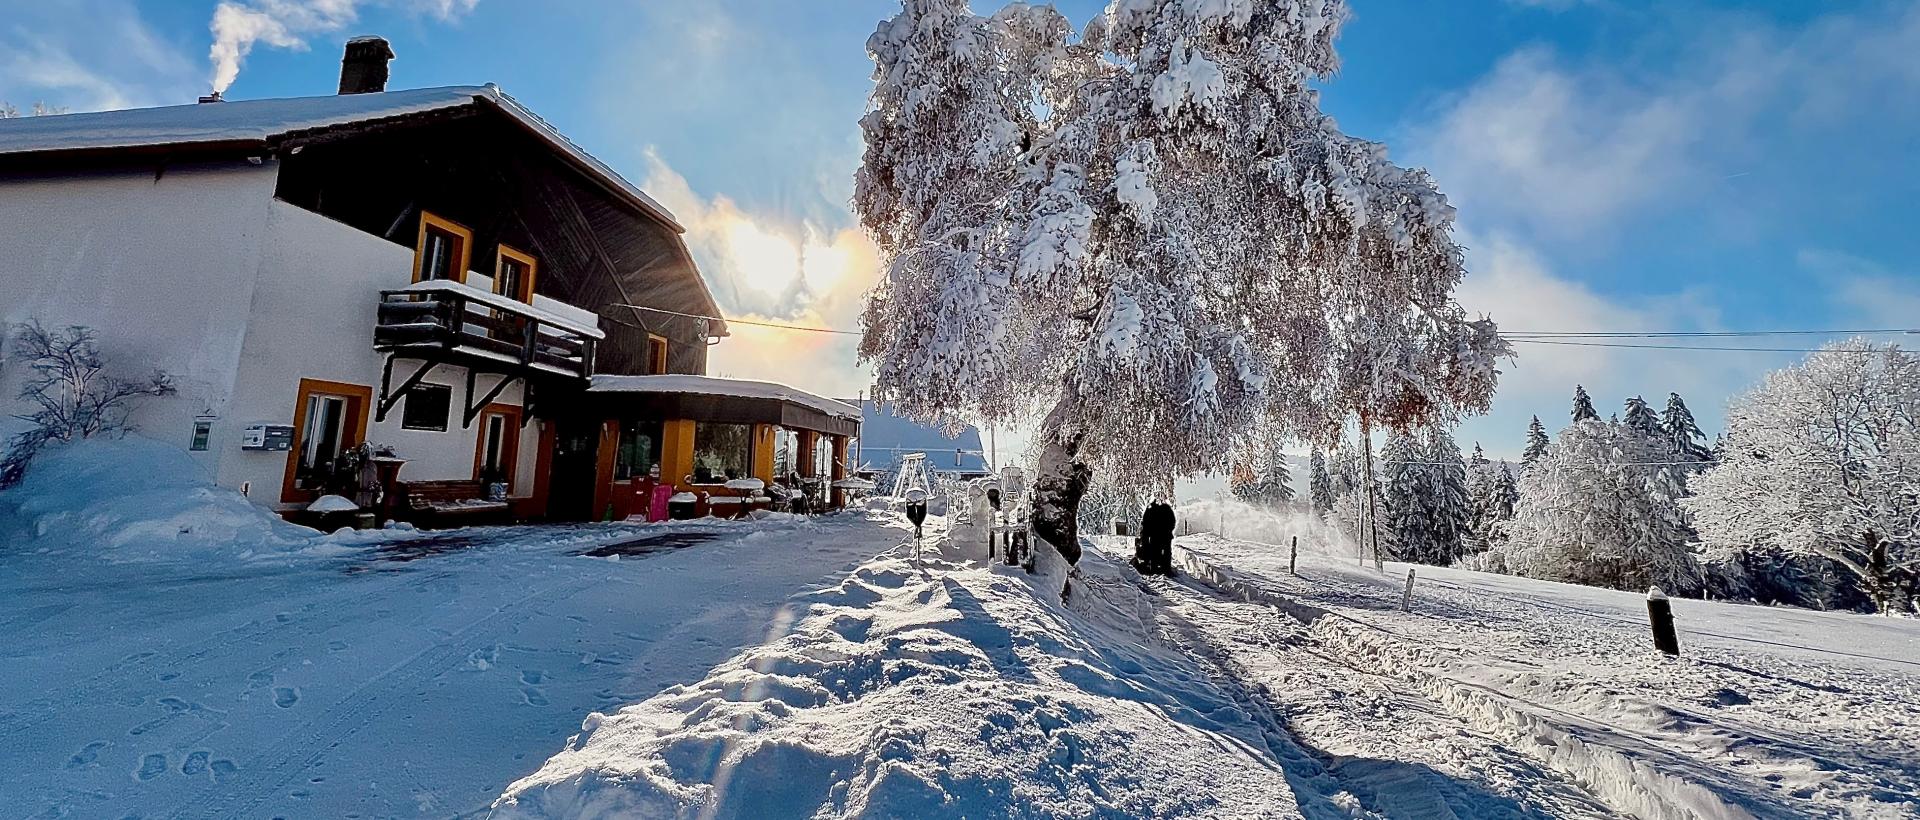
<point>436,270</point>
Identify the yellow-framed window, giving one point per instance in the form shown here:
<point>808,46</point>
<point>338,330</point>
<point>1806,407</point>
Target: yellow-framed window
<point>656,354</point>
<point>444,249</point>
<point>514,272</point>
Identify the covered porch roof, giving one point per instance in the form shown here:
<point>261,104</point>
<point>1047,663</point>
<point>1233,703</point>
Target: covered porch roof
<point>732,401</point>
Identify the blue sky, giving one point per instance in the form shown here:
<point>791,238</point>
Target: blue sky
<point>1619,165</point>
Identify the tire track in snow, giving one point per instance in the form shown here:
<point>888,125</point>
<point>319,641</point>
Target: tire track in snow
<point>1627,773</point>
<point>1392,787</point>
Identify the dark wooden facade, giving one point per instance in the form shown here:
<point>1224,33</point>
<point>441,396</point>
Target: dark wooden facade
<point>595,248</point>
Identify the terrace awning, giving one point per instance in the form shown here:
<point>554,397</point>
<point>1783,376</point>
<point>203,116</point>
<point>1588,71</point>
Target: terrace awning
<point>731,401</point>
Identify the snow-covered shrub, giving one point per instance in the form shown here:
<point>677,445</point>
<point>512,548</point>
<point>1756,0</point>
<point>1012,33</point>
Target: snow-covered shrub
<point>74,398</point>
<point>1823,460</point>
<point>135,499</point>
<point>1600,509</point>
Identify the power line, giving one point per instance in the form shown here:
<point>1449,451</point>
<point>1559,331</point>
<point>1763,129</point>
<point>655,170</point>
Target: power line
<point>1663,334</point>
<point>774,325</point>
<point>1690,347</point>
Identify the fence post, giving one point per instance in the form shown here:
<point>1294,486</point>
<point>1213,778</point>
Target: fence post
<point>1406,598</point>
<point>1660,616</point>
<point>1293,555</point>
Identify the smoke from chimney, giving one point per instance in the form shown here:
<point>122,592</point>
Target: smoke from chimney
<point>239,25</point>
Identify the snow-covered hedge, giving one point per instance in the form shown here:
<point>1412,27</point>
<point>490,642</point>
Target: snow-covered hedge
<point>135,499</point>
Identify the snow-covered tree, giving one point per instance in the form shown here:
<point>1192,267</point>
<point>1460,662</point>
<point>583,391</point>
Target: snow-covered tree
<point>1426,500</point>
<point>1537,442</point>
<point>1319,484</point>
<point>1150,238</point>
<point>1269,486</point>
<point>1451,507</point>
<point>1682,432</point>
<point>1644,421</point>
<point>1349,513</point>
<point>1490,495</point>
<point>72,394</point>
<point>1583,405</point>
<point>1593,511</point>
<point>1823,459</point>
<point>1279,478</point>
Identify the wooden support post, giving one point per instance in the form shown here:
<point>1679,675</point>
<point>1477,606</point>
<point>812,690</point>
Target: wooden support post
<point>1406,598</point>
<point>1660,616</point>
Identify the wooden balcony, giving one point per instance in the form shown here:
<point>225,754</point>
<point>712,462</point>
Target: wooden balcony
<point>463,325</point>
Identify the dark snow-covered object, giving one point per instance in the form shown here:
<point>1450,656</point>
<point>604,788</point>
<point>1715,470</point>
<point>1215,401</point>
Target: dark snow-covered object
<point>136,500</point>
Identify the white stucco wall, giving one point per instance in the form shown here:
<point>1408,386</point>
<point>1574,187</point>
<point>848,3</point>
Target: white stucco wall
<point>163,268</point>
<point>203,274</point>
<point>312,317</point>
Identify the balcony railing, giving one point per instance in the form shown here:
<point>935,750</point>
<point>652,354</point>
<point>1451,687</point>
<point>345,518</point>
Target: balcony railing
<point>458,323</point>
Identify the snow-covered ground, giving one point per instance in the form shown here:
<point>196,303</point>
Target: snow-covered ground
<point>172,653</point>
<point>371,675</point>
<point>1769,711</point>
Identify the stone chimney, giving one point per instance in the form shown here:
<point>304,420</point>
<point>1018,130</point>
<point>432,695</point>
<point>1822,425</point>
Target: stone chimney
<point>364,68</point>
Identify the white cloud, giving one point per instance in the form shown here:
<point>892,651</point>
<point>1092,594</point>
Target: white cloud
<point>90,55</point>
<point>1568,150</point>
<point>761,270</point>
<point>1871,294</point>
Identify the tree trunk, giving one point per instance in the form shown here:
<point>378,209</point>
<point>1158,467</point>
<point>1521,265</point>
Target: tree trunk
<point>1882,587</point>
<point>1373,521</point>
<point>1060,484</point>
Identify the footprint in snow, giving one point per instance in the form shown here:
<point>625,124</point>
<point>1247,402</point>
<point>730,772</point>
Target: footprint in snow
<point>286,696</point>
<point>336,646</point>
<point>152,766</point>
<point>223,770</point>
<point>87,756</point>
<point>532,677</point>
<point>533,696</point>
<point>196,764</point>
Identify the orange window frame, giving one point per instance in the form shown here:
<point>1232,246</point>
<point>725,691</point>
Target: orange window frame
<point>463,257</point>
<point>509,442</point>
<point>507,252</point>
<point>359,402</point>
<point>656,354</point>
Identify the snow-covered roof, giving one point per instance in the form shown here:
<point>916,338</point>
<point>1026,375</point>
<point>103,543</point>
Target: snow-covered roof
<point>262,122</point>
<point>713,386</point>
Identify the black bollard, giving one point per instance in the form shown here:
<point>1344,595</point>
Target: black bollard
<point>1660,614</point>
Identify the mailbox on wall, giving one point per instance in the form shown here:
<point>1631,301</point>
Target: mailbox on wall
<point>269,437</point>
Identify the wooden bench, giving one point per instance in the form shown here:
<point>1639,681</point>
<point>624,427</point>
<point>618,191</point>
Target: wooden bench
<point>451,504</point>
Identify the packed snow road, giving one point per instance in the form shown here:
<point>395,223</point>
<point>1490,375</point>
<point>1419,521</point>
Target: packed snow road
<point>405,675</point>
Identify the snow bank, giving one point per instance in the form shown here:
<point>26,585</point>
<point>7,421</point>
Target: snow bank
<point>943,688</point>
<point>136,500</point>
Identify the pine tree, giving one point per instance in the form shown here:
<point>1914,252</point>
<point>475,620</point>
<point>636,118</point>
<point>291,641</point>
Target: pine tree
<point>1483,487</point>
<point>1450,507</point>
<point>1404,500</point>
<point>1537,442</point>
<point>1319,484</point>
<point>1279,478</point>
<point>1582,405</point>
<point>1641,419</point>
<point>1682,433</point>
<point>1506,495</point>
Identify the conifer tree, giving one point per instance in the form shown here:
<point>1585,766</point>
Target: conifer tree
<point>1319,484</point>
<point>1450,507</point>
<point>1642,420</point>
<point>1582,405</point>
<point>1681,432</point>
<point>1537,442</point>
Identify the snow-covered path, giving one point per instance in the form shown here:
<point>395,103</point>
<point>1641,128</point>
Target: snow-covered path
<point>365,685</point>
<point>1770,712</point>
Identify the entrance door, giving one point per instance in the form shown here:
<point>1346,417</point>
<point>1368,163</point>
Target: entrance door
<point>576,466</point>
<point>497,453</point>
<point>330,418</point>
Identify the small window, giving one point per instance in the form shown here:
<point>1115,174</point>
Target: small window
<point>513,275</point>
<point>656,354</point>
<point>428,406</point>
<point>442,252</point>
<point>202,435</point>
<point>721,452</point>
